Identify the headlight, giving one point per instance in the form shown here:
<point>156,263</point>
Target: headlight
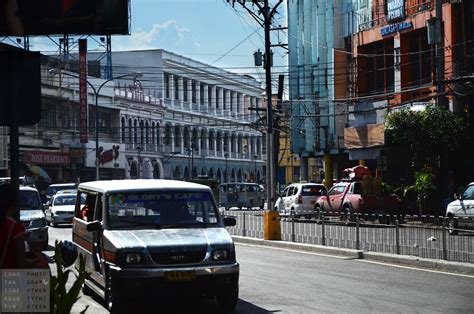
<point>220,255</point>
<point>132,258</point>
<point>38,223</point>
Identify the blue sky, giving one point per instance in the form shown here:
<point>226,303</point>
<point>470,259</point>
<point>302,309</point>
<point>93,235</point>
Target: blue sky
<point>207,30</point>
<point>211,31</point>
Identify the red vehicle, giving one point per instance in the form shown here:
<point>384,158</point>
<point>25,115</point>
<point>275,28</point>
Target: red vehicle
<point>357,196</point>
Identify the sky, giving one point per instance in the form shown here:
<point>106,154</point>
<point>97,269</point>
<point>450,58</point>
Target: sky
<point>210,31</point>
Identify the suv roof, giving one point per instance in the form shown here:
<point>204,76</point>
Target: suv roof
<point>140,184</point>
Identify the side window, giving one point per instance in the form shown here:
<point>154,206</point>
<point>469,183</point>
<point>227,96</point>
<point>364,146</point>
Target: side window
<point>357,188</point>
<point>285,191</point>
<point>98,208</point>
<point>291,189</point>
<point>295,191</point>
<point>85,206</point>
<point>468,193</point>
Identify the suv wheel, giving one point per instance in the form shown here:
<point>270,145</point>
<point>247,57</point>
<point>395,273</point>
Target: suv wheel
<point>347,216</point>
<point>111,295</point>
<point>452,225</point>
<point>228,302</point>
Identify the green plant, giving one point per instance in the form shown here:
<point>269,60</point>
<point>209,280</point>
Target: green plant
<point>424,188</point>
<point>62,300</point>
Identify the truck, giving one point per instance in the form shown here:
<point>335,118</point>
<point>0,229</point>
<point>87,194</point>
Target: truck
<point>357,194</point>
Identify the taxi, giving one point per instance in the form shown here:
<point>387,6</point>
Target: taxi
<point>154,238</point>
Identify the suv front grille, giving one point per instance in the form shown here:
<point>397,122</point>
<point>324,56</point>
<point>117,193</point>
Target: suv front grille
<point>178,258</point>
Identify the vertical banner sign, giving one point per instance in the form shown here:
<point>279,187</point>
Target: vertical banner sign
<point>83,90</point>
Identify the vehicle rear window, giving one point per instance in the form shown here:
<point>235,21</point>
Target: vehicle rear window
<point>66,200</point>
<point>161,209</point>
<point>312,190</point>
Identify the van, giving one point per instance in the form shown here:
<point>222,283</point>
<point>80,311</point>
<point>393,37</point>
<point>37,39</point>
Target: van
<point>33,218</point>
<point>155,238</point>
<point>241,194</point>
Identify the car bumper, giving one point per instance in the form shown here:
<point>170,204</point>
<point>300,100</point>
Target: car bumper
<point>211,280</point>
<point>67,219</point>
<point>37,234</point>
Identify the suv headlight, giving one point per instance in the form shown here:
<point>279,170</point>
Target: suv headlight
<point>220,255</point>
<point>132,258</point>
<point>38,223</point>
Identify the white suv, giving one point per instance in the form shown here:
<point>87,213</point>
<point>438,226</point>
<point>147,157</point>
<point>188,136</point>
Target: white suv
<point>299,198</point>
<point>463,206</point>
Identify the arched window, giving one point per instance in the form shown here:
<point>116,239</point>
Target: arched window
<point>142,133</point>
<point>158,135</point>
<point>177,137</point>
<point>168,134</point>
<point>211,140</point>
<point>147,133</point>
<point>152,142</point>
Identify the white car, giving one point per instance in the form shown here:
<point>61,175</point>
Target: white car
<point>299,199</point>
<point>462,207</point>
<point>61,208</point>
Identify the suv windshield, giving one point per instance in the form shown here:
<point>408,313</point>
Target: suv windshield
<point>29,200</point>
<point>66,200</point>
<point>161,209</point>
<point>53,189</point>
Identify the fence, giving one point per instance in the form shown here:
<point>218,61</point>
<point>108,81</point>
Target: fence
<point>426,236</point>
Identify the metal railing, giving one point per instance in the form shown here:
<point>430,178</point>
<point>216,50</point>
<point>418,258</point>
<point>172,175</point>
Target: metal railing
<point>426,237</point>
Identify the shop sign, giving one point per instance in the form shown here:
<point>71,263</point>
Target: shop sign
<point>46,158</point>
<point>77,153</point>
<point>110,155</point>
<point>395,10</point>
<point>395,28</point>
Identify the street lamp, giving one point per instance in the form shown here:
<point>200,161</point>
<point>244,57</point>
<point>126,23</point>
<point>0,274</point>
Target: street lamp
<point>96,95</point>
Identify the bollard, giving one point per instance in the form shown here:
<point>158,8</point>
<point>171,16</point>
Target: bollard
<point>292,229</point>
<point>271,225</point>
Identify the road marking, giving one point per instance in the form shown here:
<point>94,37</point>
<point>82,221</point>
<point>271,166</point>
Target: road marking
<point>293,250</point>
<point>358,259</point>
<point>416,268</point>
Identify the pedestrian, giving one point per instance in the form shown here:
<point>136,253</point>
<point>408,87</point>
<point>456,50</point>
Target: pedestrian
<point>12,233</point>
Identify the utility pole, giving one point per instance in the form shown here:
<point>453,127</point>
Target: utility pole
<point>441,98</point>
<point>264,17</point>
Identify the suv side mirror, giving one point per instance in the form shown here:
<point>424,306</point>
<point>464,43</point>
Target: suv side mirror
<point>229,221</point>
<point>94,226</point>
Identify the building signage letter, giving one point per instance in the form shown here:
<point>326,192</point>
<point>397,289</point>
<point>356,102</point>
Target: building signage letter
<point>395,10</point>
<point>83,90</point>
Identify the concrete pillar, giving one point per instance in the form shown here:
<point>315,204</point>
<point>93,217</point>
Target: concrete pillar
<point>212,101</point>
<point>198,94</point>
<point>180,92</point>
<point>205,105</point>
<point>220,110</point>
<point>190,91</point>
<point>171,87</point>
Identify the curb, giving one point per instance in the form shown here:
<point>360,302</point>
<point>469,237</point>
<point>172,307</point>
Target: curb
<point>405,260</point>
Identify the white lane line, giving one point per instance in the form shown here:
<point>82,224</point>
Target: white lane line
<point>293,250</point>
<point>416,268</point>
<point>358,260</point>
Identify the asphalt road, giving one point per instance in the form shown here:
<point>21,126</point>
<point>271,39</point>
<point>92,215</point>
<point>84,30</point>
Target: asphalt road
<point>276,280</point>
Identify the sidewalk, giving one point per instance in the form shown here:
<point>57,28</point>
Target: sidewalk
<point>405,260</point>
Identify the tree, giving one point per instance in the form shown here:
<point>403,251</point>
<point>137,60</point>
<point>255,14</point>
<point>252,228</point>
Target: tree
<point>433,138</point>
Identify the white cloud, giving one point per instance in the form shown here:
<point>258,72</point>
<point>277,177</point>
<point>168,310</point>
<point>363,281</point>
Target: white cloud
<point>147,39</point>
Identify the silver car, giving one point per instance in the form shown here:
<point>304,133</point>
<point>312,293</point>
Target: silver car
<point>148,238</point>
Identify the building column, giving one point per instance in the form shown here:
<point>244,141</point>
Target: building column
<point>205,105</point>
<point>180,92</point>
<point>220,110</point>
<point>171,87</point>
<point>212,101</point>
<point>198,95</point>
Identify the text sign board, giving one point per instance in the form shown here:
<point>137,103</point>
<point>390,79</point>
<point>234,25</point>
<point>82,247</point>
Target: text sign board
<point>395,10</point>
<point>75,17</point>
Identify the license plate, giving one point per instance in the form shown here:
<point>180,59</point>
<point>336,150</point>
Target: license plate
<point>185,275</point>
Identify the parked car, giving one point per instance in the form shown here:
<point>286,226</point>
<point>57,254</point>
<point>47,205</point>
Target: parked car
<point>241,194</point>
<point>152,238</point>
<point>462,207</point>
<point>54,188</point>
<point>299,199</point>
<point>347,198</point>
<point>33,217</point>
<point>60,209</point>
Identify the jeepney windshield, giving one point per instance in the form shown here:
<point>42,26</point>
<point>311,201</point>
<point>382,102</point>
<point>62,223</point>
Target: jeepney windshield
<point>161,209</point>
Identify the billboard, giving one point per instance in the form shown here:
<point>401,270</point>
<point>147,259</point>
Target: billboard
<point>59,17</point>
